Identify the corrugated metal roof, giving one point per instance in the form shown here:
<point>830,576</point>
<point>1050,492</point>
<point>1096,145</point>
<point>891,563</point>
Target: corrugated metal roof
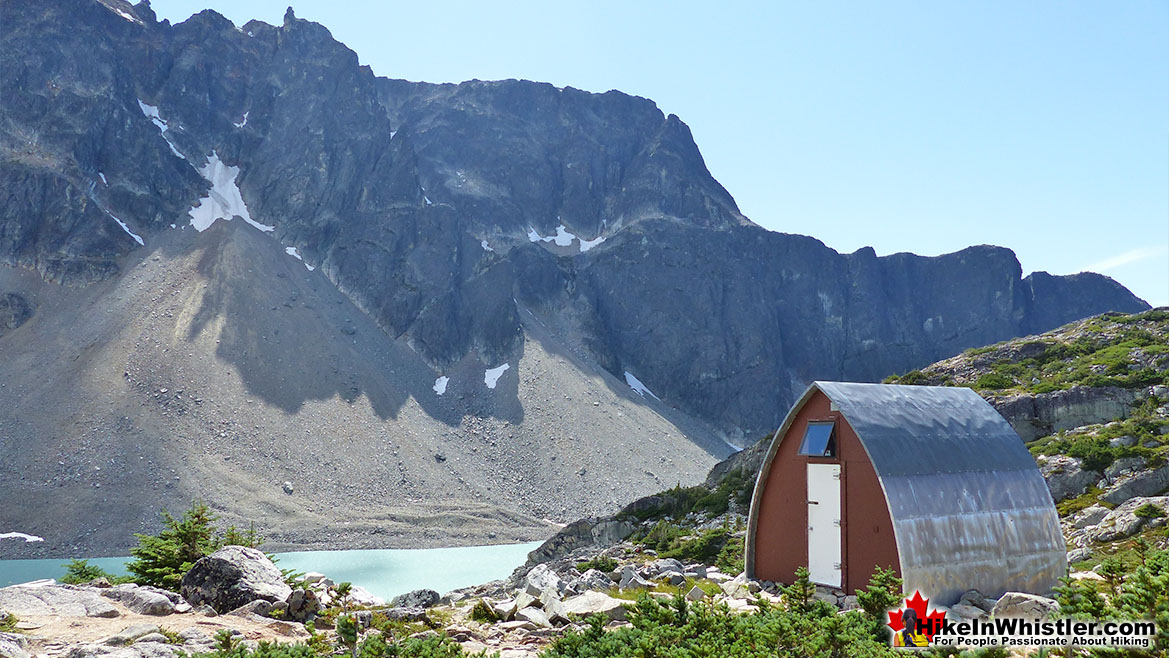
<point>969,507</point>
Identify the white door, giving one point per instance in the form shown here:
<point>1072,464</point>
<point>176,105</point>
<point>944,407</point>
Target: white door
<point>824,523</point>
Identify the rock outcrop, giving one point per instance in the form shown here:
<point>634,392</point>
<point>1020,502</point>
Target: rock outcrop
<point>1024,606</point>
<point>1044,414</point>
<point>1065,476</point>
<point>232,577</point>
<point>49,598</point>
<point>1126,520</point>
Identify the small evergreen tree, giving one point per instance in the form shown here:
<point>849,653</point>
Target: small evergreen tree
<point>798,595</point>
<point>882,594</point>
<point>162,560</point>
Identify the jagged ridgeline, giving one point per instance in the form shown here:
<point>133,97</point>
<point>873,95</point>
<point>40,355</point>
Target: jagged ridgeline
<point>503,300</point>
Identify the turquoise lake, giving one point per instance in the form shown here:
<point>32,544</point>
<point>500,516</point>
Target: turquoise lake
<point>386,573</point>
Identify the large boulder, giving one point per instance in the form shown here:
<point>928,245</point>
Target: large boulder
<point>535,616</point>
<point>1024,606</point>
<point>595,603</point>
<point>143,600</point>
<point>1065,476</point>
<point>595,580</point>
<point>541,578</point>
<point>130,634</point>
<point>303,604</point>
<point>1142,483</point>
<point>234,576</point>
<point>1124,521</point>
<point>48,598</point>
<point>419,598</point>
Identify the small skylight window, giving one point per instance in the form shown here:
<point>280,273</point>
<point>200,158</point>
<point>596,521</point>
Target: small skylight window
<point>819,440</point>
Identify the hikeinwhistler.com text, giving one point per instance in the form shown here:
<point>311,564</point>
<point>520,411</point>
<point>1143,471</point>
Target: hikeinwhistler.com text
<point>1013,632</point>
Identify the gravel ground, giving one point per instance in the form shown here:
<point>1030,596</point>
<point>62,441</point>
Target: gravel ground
<point>216,367</point>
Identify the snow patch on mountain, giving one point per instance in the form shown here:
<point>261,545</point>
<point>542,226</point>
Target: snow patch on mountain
<point>124,14</point>
<point>585,245</point>
<point>151,112</point>
<point>563,238</point>
<point>28,539</point>
<point>491,377</point>
<point>440,385</point>
<point>638,387</point>
<point>126,228</point>
<point>244,122</point>
<point>224,200</point>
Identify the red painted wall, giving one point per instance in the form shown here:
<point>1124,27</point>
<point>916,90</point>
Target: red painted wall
<point>781,534</point>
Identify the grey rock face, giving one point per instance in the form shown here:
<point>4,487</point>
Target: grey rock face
<point>596,603</point>
<point>61,600</point>
<point>232,577</point>
<point>1065,476</point>
<point>419,598</point>
<point>1024,606</point>
<point>1142,483</point>
<point>140,599</point>
<point>1124,522</point>
<point>391,189</point>
<point>14,311</point>
<point>130,634</point>
<point>302,605</point>
<point>12,645</point>
<point>1033,416</point>
<point>541,579</point>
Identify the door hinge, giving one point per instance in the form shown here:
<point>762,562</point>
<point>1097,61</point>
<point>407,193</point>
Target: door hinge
<point>836,522</point>
<point>836,566</point>
<point>836,475</point>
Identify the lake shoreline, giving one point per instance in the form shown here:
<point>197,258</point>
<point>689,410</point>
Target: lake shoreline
<point>383,572</point>
<point>337,540</point>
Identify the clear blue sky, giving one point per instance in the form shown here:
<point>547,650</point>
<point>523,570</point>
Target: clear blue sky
<point>926,127</point>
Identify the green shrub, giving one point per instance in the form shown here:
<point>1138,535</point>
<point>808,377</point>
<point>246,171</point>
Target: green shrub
<point>676,628</point>
<point>994,381</point>
<point>1094,452</point>
<point>730,558</point>
<point>1081,502</point>
<point>79,572</point>
<point>661,537</point>
<point>483,613</point>
<point>1149,511</point>
<point>600,563</point>
<point>704,548</point>
<point>913,378</point>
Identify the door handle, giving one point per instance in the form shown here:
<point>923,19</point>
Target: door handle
<point>813,502</point>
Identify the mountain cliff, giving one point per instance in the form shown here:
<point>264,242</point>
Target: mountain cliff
<point>301,232</point>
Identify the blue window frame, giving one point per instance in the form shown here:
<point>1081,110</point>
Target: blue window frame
<point>819,440</point>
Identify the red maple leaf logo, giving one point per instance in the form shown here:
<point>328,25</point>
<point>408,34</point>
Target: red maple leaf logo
<point>931,621</point>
